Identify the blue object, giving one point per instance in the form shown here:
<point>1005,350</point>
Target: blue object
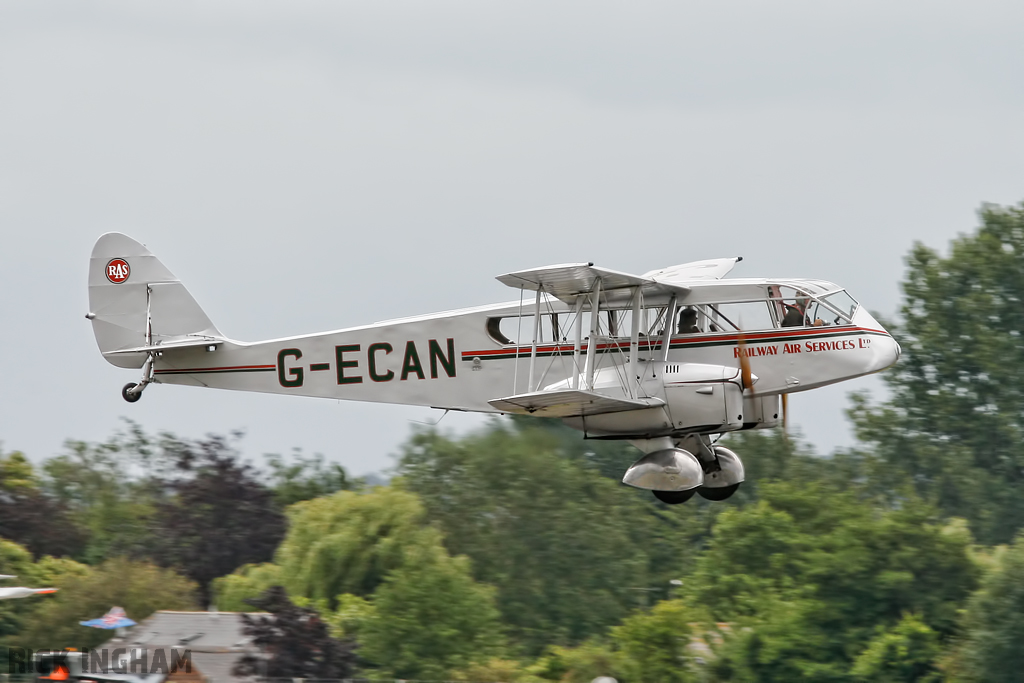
<point>115,618</point>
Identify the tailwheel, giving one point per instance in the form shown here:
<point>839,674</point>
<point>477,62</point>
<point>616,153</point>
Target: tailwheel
<point>127,395</point>
<point>674,497</point>
<point>716,494</point>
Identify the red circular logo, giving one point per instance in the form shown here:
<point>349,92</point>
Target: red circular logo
<point>118,270</point>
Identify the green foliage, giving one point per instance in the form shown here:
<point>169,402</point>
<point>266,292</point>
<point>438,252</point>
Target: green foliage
<point>783,641</point>
<point>47,572</point>
<point>505,670</point>
<point>16,473</point>
<point>993,627</point>
<point>347,542</point>
<point>580,664</point>
<point>430,618</point>
<point>31,517</point>
<point>139,587</point>
<point>352,612</point>
<point>812,573</point>
<point>248,581</point>
<point>906,653</point>
<point>303,478</point>
<point>954,427</point>
<point>112,489</point>
<point>563,545</point>
<point>656,646</point>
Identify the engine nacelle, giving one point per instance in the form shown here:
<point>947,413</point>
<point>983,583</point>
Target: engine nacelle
<point>672,469</point>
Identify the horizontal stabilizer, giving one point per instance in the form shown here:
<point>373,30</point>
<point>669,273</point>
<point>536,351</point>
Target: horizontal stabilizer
<point>569,403</point>
<point>169,346</point>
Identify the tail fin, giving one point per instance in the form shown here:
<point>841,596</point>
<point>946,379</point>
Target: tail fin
<point>136,302</point>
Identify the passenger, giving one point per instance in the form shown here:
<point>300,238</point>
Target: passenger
<point>688,321</point>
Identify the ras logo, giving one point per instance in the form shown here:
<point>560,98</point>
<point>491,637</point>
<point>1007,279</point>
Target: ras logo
<point>118,270</point>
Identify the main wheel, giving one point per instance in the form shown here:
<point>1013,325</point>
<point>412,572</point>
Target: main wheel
<point>720,493</point>
<point>674,497</point>
<point>131,398</point>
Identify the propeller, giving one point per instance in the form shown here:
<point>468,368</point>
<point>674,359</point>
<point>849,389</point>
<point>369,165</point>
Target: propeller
<point>785,415</point>
<point>747,380</point>
<point>746,377</point>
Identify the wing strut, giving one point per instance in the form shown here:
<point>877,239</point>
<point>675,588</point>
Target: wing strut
<point>634,346</point>
<point>536,335</point>
<point>577,369</point>
<point>595,321</point>
<point>670,323</point>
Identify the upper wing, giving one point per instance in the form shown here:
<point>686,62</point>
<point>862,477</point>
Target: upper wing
<point>711,269</point>
<point>568,280</point>
<point>569,403</point>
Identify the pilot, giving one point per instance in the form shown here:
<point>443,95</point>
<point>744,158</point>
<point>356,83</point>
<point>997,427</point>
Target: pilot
<point>688,321</point>
<point>795,312</point>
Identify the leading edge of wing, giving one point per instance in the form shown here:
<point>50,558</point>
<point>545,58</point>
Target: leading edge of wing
<point>569,403</point>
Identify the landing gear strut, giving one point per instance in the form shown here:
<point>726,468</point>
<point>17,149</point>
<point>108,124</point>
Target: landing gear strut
<point>132,391</point>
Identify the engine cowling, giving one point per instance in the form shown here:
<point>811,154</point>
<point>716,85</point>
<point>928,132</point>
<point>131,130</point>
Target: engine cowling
<point>703,398</point>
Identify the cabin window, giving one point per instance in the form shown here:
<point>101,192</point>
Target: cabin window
<point>495,333</point>
<point>513,329</point>
<point>750,315</point>
<point>619,322</point>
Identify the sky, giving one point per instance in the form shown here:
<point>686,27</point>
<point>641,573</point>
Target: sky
<point>304,166</point>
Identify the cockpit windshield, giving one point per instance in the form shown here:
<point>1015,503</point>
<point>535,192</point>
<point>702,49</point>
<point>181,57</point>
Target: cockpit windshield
<point>797,308</point>
<point>843,303</point>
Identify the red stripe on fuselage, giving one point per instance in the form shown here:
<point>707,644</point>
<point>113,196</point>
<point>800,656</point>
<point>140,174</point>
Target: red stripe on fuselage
<point>226,368</point>
<point>648,342</point>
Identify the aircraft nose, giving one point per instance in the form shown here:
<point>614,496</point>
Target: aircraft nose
<point>888,352</point>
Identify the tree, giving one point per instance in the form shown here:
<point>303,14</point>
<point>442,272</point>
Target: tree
<point>219,515</point>
<point>563,545</point>
<point>45,572</point>
<point>655,646</point>
<point>430,618</point>
<point>113,488</point>
<point>293,641</point>
<point>233,593</point>
<point>31,517</point>
<point>810,584</point>
<point>303,478</point>
<point>140,588</point>
<point>348,542</point>
<point>953,429</point>
<point>906,653</point>
<point>993,625</point>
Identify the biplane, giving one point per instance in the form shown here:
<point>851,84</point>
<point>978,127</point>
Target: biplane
<point>669,360</point>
